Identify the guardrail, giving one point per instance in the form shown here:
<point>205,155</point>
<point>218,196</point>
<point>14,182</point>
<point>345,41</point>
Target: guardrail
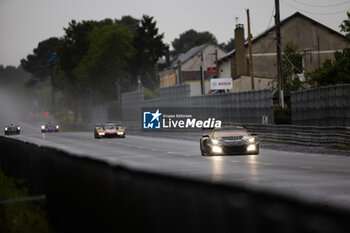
<point>326,136</point>
<point>90,195</point>
<point>303,135</point>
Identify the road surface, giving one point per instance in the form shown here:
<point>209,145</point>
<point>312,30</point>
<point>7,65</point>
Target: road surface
<point>320,178</point>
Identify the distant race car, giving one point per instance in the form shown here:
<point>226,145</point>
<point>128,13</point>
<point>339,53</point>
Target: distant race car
<point>50,128</point>
<point>109,130</point>
<point>229,140</point>
<point>12,129</point>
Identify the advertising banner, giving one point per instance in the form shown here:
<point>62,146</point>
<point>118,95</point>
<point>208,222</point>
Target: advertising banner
<point>221,83</point>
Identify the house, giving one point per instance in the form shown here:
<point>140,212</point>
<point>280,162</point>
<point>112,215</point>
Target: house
<point>187,68</point>
<point>316,43</point>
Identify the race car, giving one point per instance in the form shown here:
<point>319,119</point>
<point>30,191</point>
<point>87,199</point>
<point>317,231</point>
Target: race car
<point>49,127</point>
<point>12,129</point>
<point>109,129</point>
<point>229,140</point>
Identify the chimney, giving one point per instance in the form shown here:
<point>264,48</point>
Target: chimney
<point>240,50</point>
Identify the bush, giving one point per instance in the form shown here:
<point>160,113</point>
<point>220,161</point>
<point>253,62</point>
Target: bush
<point>282,116</point>
<point>20,216</point>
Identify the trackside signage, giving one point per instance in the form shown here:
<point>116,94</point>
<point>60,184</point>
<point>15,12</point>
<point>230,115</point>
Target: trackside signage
<point>172,118</point>
<point>221,83</point>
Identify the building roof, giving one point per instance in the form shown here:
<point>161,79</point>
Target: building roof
<point>272,28</point>
<point>185,56</point>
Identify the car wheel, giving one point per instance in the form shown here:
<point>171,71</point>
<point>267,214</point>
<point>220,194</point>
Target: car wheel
<point>204,152</point>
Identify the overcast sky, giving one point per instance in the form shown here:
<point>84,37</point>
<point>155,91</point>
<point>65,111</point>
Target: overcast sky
<point>24,23</point>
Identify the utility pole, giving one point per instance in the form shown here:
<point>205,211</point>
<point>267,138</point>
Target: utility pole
<point>250,53</point>
<point>216,63</point>
<point>202,76</point>
<point>278,50</point>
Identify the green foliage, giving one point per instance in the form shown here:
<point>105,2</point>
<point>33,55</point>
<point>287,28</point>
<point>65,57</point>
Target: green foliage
<point>11,75</point>
<point>106,60</point>
<point>21,217</point>
<point>43,96</point>
<point>291,66</point>
<point>332,72</point>
<point>150,94</point>
<point>71,51</point>
<point>345,26</point>
<point>149,48</point>
<point>230,45</point>
<point>190,39</point>
<point>38,63</point>
<point>131,23</point>
<point>95,56</point>
<point>74,47</point>
<point>282,116</point>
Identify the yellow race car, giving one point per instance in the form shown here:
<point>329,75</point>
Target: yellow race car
<point>109,129</point>
<point>229,140</point>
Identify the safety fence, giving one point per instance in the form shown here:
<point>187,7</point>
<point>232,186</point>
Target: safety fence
<point>247,106</point>
<point>323,106</point>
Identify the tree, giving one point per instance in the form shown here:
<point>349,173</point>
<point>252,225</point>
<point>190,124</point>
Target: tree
<point>291,67</point>
<point>149,48</point>
<point>13,75</point>
<point>38,63</point>
<point>345,26</point>
<point>190,39</point>
<point>332,72</point>
<point>72,49</point>
<point>131,23</point>
<point>230,45</point>
<point>106,61</point>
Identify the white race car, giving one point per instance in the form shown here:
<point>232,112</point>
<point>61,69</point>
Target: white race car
<point>109,130</point>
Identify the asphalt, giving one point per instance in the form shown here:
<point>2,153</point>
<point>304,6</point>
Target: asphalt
<point>322,178</point>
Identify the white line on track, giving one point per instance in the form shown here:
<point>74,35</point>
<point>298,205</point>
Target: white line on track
<point>156,150</point>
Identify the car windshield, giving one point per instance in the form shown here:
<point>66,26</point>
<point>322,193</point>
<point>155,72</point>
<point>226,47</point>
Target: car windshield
<point>109,127</point>
<point>229,133</point>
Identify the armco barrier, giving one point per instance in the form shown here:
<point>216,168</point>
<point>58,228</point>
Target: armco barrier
<point>86,195</point>
<point>325,136</point>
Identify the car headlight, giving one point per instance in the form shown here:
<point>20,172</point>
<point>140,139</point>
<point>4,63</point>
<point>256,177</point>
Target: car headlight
<point>6,128</point>
<point>251,147</point>
<point>216,149</point>
<point>43,127</point>
<point>19,128</point>
<point>101,134</point>
<point>57,127</point>
<point>251,140</point>
<point>214,141</point>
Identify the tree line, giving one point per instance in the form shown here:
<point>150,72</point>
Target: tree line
<point>96,60</point>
